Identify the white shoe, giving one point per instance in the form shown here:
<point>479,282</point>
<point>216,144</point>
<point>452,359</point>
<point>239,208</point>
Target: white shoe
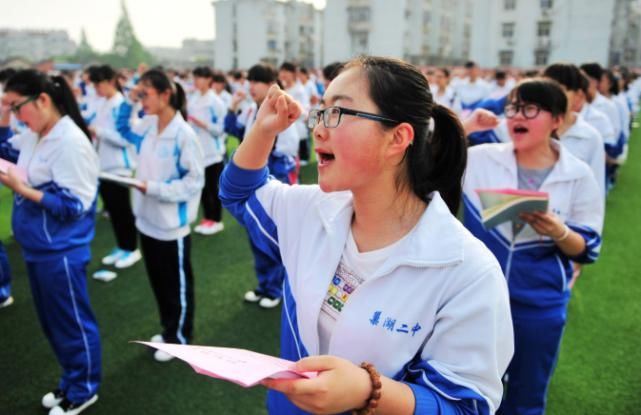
<point>252,296</point>
<point>113,256</point>
<point>157,338</point>
<point>211,228</point>
<point>7,302</point>
<point>52,398</point>
<point>161,356</point>
<point>267,302</point>
<point>104,275</point>
<point>67,408</point>
<point>128,258</point>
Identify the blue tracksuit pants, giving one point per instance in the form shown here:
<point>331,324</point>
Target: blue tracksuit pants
<point>5,275</point>
<point>59,292</point>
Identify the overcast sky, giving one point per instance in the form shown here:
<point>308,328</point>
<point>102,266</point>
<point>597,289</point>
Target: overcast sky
<point>156,22</point>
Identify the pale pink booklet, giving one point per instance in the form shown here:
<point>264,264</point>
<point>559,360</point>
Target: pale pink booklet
<point>243,367</point>
<point>4,168</point>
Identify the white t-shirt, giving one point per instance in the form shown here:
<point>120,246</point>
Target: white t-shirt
<point>353,270</point>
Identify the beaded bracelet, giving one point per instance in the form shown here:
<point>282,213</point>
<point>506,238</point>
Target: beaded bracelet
<point>375,396</point>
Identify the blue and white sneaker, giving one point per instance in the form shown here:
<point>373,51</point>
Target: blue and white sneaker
<point>128,258</point>
<point>6,302</point>
<point>67,407</point>
<point>114,256</point>
<point>53,398</point>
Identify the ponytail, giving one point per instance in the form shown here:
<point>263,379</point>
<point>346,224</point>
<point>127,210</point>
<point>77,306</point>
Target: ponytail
<point>438,162</point>
<point>159,81</point>
<point>435,161</point>
<point>29,82</point>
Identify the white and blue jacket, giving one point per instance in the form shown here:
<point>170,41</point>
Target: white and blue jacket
<point>438,315</point>
<point>535,268</point>
<point>64,166</point>
<point>209,109</point>
<point>116,154</point>
<point>172,165</point>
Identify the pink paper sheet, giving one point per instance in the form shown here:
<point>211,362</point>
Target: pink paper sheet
<point>4,168</point>
<point>243,367</point>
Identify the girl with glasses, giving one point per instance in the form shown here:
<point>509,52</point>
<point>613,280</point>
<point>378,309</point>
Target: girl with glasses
<point>537,258</point>
<point>386,295</point>
<point>171,169</point>
<point>53,221</point>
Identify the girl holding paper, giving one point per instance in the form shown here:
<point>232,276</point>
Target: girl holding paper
<point>378,268</point>
<point>53,220</point>
<point>537,261</point>
<point>116,156</point>
<point>171,169</point>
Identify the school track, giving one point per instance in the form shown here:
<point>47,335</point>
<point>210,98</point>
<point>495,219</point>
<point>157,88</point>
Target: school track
<point>599,370</point>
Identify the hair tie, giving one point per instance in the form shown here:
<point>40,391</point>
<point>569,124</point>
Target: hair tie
<point>430,129</point>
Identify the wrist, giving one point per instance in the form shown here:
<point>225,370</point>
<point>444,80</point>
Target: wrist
<point>370,403</point>
<point>564,234</point>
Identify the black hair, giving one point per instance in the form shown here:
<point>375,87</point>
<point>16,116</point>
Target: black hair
<point>102,73</point>
<point>303,70</point>
<point>435,161</point>
<point>161,83</point>
<point>203,72</point>
<point>445,71</point>
<point>237,75</point>
<point>330,71</point>
<point>593,70</point>
<point>544,92</point>
<point>262,72</point>
<point>500,75</point>
<point>287,66</point>
<point>32,83</point>
<point>470,64</point>
<point>219,77</point>
<point>614,82</point>
<point>567,74</point>
<point>5,74</point>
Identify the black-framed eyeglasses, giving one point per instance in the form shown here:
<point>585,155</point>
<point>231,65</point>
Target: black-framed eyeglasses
<point>529,111</point>
<point>331,117</point>
<point>15,108</point>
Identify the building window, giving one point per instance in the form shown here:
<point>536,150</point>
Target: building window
<point>505,57</point>
<point>358,14</point>
<point>544,29</point>
<point>629,55</point>
<point>508,30</point>
<point>509,4</point>
<point>546,4</point>
<point>271,45</point>
<point>541,57</point>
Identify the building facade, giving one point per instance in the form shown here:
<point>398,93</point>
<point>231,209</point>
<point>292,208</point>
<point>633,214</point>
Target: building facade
<point>424,32</point>
<point>251,31</point>
<point>535,33</point>
<point>35,45</point>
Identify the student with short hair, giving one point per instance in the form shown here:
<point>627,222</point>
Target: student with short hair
<point>289,81</point>
<point>206,116</point>
<point>444,94</point>
<point>537,255</point>
<point>171,169</point>
<point>380,273</point>
<point>53,220</point>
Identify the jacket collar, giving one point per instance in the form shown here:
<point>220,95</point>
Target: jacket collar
<point>563,169</point>
<point>173,128</point>
<point>436,240</point>
<point>59,128</point>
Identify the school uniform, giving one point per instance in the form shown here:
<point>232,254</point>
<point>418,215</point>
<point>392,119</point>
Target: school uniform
<point>448,99</point>
<point>171,163</point>
<point>55,237</point>
<point>117,156</point>
<point>585,143</point>
<point>5,275</point>
<point>300,95</point>
<point>208,108</point>
<point>472,93</point>
<point>437,311</point>
<point>536,270</point>
<point>269,269</point>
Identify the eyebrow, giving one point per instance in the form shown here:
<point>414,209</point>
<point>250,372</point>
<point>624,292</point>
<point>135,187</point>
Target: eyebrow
<point>335,98</point>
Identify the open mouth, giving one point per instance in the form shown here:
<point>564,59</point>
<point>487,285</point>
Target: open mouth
<point>520,129</point>
<point>324,158</point>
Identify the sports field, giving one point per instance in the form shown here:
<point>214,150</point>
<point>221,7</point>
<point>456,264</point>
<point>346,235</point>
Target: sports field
<point>599,370</point>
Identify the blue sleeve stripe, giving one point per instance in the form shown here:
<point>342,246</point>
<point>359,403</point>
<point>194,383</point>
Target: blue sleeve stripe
<point>262,220</point>
<point>289,307</point>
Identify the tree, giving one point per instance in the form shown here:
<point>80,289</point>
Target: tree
<point>84,52</point>
<point>127,50</point>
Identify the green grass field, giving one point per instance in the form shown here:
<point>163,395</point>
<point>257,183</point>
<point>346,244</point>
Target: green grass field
<point>599,371</point>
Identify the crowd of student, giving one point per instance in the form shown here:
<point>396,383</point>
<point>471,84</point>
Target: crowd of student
<point>465,319</point>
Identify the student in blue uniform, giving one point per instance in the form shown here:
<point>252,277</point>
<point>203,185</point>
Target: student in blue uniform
<point>537,258</point>
<point>269,270</point>
<point>53,221</point>
<point>170,167</point>
<point>379,270</point>
<point>117,156</point>
<point>6,299</point>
